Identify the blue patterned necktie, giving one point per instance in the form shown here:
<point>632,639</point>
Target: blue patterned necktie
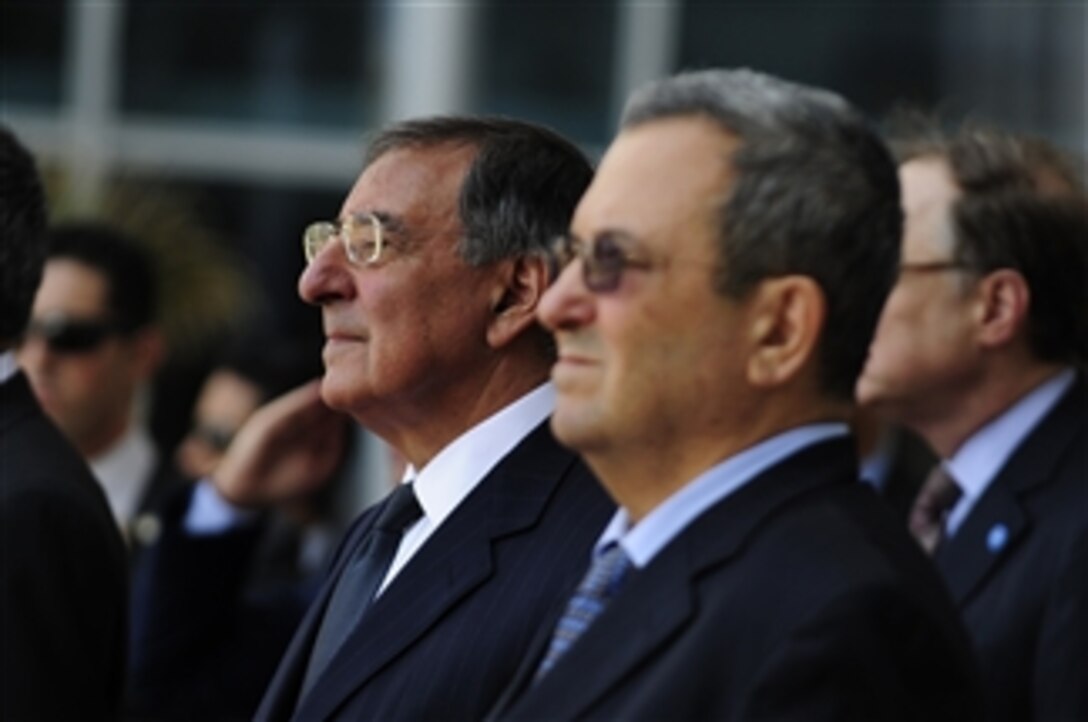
<point>363,575</point>
<point>602,582</point>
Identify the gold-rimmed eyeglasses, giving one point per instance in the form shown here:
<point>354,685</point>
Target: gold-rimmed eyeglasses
<point>604,259</point>
<point>361,236</point>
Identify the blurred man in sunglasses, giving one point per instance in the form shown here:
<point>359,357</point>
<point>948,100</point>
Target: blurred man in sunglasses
<point>90,349</point>
<point>62,562</point>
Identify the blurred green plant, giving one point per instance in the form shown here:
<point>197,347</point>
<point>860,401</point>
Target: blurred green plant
<point>207,291</point>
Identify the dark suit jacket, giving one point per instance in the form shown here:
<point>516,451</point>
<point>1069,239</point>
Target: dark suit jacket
<point>204,641</point>
<point>447,634</point>
<point>1018,569</point>
<point>165,484</point>
<point>799,597</point>
<point>909,461</point>
<point>63,572</point>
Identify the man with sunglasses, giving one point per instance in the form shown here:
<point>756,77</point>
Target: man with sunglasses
<point>977,350</point>
<point>62,562</point>
<point>721,282</point>
<point>428,284</point>
<point>91,348</point>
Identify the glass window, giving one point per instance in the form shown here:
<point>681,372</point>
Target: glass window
<point>874,54</point>
<point>264,224</point>
<point>279,63</point>
<point>32,51</point>
<point>549,67</point>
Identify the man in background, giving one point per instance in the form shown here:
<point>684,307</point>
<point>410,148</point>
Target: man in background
<point>258,576</point>
<point>90,351</point>
<point>981,350</point>
<point>724,273</point>
<point>62,562</point>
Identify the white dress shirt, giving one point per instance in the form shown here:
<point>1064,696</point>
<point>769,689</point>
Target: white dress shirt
<point>977,462</point>
<point>125,471</point>
<point>440,486</point>
<point>8,367</point>
<point>644,540</point>
<point>455,471</point>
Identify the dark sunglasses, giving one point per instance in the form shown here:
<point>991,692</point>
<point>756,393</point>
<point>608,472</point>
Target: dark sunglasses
<point>217,437</point>
<point>604,259</point>
<point>71,335</point>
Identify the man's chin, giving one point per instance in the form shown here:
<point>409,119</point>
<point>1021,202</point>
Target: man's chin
<point>574,429</point>
<point>868,392</point>
<point>333,393</point>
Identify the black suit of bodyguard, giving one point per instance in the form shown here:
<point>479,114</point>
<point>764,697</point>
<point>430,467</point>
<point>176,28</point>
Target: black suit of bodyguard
<point>710,326</point>
<point>62,562</point>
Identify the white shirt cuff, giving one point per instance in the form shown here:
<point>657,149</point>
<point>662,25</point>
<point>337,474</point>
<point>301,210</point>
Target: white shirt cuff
<point>209,513</point>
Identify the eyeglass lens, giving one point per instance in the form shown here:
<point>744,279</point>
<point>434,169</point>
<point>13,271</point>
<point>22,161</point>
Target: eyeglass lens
<point>603,260</point>
<point>361,236</point>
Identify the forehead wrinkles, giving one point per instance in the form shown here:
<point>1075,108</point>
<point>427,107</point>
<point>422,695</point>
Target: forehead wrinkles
<point>929,195</point>
<point>415,192</point>
<point>71,285</point>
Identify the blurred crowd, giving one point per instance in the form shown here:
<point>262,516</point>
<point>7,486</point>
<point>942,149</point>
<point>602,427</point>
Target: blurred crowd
<point>776,413</point>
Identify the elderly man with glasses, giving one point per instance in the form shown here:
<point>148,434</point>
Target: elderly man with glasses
<point>722,279</point>
<point>428,284</point>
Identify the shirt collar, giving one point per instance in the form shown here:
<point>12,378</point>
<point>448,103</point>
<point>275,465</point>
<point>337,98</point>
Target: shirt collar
<point>8,367</point>
<point>976,463</point>
<point>449,477</point>
<point>125,470</point>
<point>644,540</point>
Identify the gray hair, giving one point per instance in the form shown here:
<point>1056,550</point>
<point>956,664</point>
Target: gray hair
<point>521,189</point>
<point>816,194</point>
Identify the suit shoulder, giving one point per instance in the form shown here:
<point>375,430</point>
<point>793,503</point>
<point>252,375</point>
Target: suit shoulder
<point>841,539</point>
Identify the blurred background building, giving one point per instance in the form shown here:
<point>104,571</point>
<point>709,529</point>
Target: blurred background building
<point>255,113</point>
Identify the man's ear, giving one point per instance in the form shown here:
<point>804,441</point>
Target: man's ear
<point>787,317</point>
<point>515,299</point>
<point>1003,300</point>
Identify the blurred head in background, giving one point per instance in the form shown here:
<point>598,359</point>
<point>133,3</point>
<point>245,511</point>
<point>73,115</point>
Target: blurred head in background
<point>92,342</point>
<point>22,236</point>
<point>253,371</point>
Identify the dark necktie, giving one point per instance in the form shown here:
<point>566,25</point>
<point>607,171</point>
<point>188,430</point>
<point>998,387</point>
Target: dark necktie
<point>938,495</point>
<point>602,582</point>
<point>356,587</point>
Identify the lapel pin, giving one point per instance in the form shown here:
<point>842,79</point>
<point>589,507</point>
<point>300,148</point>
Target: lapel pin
<point>996,538</point>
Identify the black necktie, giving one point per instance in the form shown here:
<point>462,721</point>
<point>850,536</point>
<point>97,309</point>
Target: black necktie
<point>356,587</point>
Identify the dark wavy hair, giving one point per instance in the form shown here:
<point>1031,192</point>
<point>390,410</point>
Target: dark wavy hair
<point>23,219</point>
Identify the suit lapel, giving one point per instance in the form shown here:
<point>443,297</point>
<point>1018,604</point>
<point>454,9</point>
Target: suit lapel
<point>660,599</point>
<point>16,401</point>
<point>283,690</point>
<point>999,522</point>
<point>450,565</point>
<point>993,528</point>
